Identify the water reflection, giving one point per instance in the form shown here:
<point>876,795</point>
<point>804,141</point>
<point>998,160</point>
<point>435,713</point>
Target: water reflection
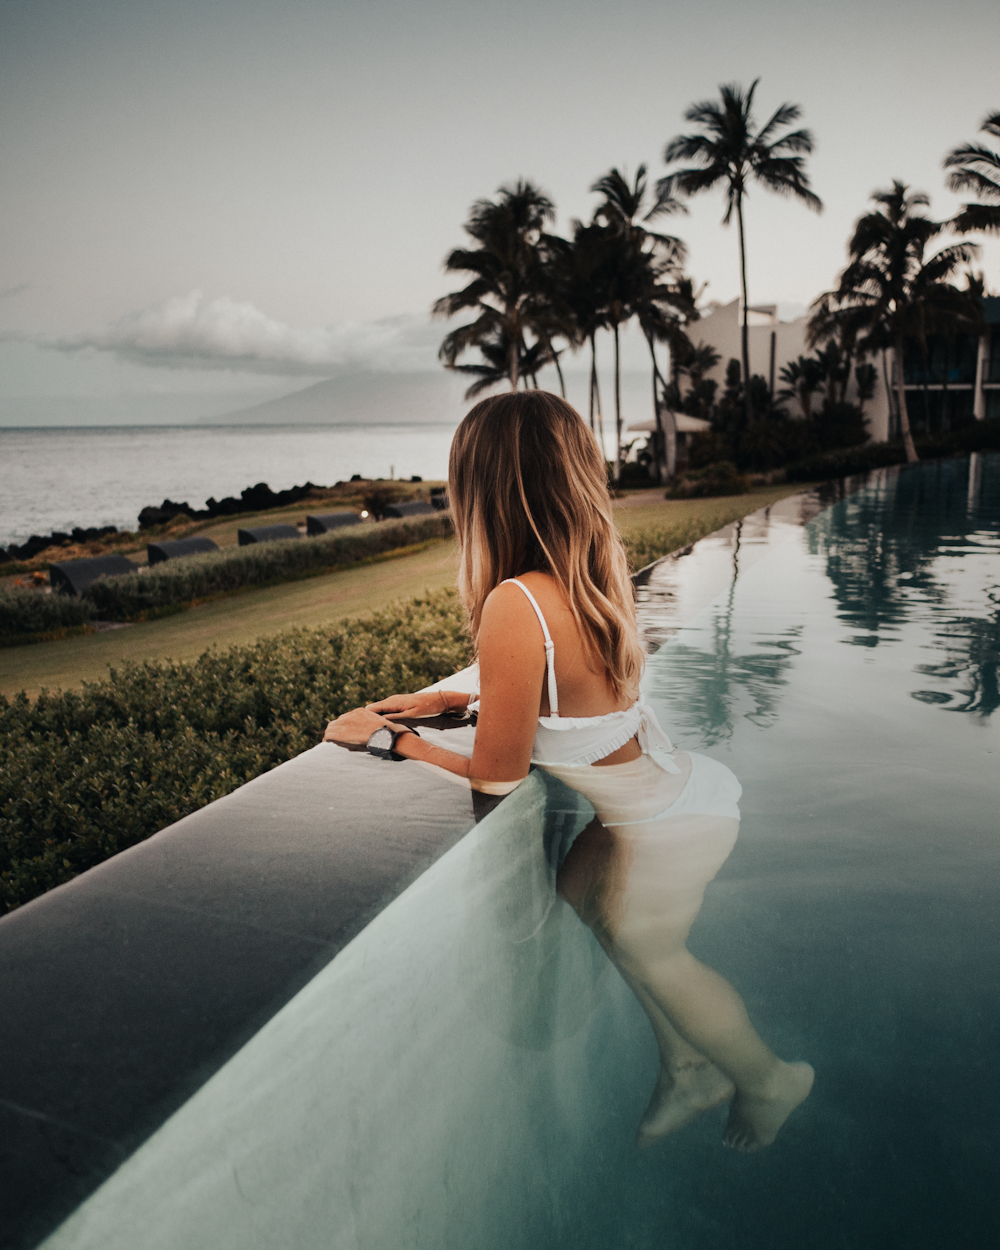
<point>920,548</point>
<point>911,559</point>
<point>972,666</point>
<point>721,681</point>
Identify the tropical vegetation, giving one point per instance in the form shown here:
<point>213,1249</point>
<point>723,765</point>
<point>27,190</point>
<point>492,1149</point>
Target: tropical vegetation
<point>730,151</point>
<point>892,291</point>
<point>975,167</point>
<point>535,294</point>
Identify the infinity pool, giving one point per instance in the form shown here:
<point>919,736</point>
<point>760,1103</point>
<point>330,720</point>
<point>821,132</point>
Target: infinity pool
<point>469,1070</point>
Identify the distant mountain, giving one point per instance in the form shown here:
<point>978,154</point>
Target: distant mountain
<point>362,398</point>
<point>368,398</point>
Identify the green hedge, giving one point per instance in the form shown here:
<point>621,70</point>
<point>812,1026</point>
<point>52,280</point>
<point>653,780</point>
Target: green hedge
<point>25,613</point>
<point>174,582</point>
<point>979,436</point>
<point>717,480</point>
<point>88,774</point>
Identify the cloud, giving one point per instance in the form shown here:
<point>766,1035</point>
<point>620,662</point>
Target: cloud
<point>190,332</point>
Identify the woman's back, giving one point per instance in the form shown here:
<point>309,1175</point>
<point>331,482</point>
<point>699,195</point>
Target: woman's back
<point>581,719</point>
<point>583,687</point>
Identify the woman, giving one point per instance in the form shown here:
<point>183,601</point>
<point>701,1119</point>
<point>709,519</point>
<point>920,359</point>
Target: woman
<point>544,578</point>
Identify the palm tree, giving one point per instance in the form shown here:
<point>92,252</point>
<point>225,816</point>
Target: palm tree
<point>505,265</point>
<point>495,349</point>
<point>889,292</point>
<point>730,151</point>
<point>576,272</point>
<point>640,260</point>
<point>802,379</point>
<point>663,311</point>
<point>976,168</point>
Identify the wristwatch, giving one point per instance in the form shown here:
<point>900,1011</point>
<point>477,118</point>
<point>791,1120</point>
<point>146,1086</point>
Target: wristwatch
<point>383,740</point>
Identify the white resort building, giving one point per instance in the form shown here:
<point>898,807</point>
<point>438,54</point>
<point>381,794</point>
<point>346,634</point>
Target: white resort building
<point>950,382</point>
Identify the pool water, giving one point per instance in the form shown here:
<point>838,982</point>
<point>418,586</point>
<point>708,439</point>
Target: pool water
<point>469,1070</point>
<point>850,680</point>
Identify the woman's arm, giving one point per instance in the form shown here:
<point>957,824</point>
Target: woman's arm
<point>421,703</point>
<point>511,666</point>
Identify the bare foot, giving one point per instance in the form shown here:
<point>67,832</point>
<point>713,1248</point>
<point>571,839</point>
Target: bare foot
<point>681,1095</point>
<point>754,1120</point>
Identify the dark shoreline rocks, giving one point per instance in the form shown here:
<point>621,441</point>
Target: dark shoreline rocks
<point>58,538</point>
<point>259,498</point>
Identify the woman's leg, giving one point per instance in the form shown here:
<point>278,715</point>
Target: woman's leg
<point>688,1084</point>
<point>640,891</point>
<point>591,880</point>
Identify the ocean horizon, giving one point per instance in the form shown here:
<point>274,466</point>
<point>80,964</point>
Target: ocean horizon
<point>58,477</point>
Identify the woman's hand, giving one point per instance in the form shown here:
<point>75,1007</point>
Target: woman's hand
<point>423,703</point>
<point>354,728</point>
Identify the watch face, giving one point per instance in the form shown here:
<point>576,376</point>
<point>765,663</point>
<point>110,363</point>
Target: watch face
<point>382,738</point>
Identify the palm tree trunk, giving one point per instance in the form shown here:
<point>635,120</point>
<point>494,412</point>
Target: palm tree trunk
<point>904,416</point>
<point>888,389</point>
<point>562,380</point>
<point>666,439</point>
<point>745,336</point>
<point>618,408</point>
<point>513,358</point>
<point>597,395</point>
<point>593,379</point>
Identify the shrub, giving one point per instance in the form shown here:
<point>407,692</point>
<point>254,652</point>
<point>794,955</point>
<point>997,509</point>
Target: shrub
<point>709,448</point>
<point>847,461</point>
<point>976,436</point>
<point>176,582</point>
<point>838,425</point>
<point>26,613</point>
<point>716,479</point>
<point>88,774</point>
<point>649,543</point>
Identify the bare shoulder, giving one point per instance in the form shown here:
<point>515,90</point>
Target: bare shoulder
<point>510,636</point>
<point>547,592</point>
<point>506,606</point>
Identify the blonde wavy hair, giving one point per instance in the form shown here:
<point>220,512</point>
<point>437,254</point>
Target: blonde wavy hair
<point>528,490</point>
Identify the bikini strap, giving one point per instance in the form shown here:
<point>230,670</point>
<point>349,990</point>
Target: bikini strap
<point>550,647</point>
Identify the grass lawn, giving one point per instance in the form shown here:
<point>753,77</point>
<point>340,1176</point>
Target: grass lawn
<point>652,529</point>
<point>239,618</point>
<point>635,514</point>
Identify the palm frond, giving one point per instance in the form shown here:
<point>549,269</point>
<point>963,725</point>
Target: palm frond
<point>783,115</point>
<point>985,217</point>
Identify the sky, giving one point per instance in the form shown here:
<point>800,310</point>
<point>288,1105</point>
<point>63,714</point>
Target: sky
<point>209,199</point>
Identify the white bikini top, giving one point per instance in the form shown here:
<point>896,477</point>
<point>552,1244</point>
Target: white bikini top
<point>580,740</point>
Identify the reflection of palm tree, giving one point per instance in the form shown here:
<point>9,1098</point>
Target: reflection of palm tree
<point>706,687</point>
<point>974,661</point>
<point>730,151</point>
<point>880,549</point>
<point>976,168</point>
<point>889,291</point>
<point>504,287</point>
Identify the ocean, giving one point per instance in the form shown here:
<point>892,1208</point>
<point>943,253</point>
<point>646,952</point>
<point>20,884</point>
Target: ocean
<point>57,478</point>
<point>54,479</point>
